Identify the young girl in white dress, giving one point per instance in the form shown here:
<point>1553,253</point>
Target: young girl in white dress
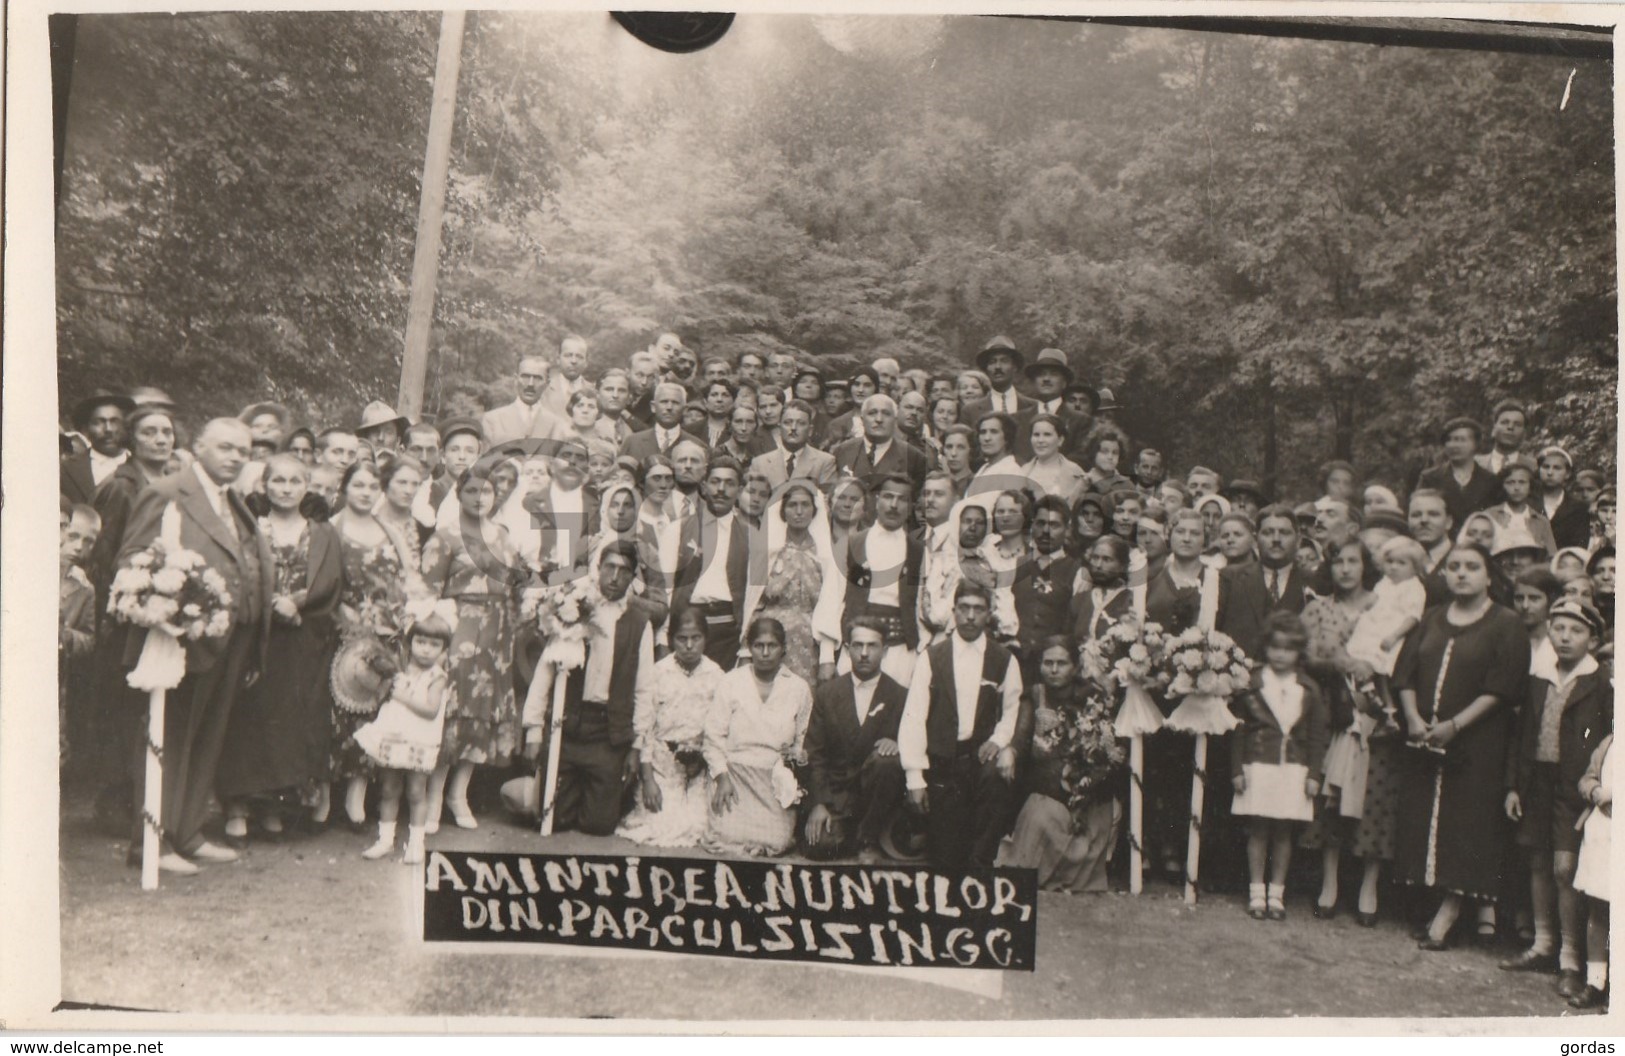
<point>1276,756</point>
<point>1591,874</point>
<point>404,738</point>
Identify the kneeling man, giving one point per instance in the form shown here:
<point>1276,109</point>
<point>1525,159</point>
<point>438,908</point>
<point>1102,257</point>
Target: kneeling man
<point>854,776</point>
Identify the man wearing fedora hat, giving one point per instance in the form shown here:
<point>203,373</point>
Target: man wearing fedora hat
<point>1000,361</point>
<point>382,428</point>
<point>527,417</point>
<point>1050,374</point>
<point>100,417</point>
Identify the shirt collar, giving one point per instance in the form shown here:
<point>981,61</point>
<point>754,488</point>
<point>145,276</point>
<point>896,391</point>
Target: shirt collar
<point>1586,666</point>
<point>210,488</point>
<point>962,647</point>
<point>865,685</point>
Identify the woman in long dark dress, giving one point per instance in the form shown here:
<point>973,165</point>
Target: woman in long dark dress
<point>1456,677</point>
<point>279,734</point>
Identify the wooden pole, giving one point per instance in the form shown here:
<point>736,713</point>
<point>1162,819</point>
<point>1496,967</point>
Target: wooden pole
<point>153,801</point>
<point>431,211</point>
<point>555,744</point>
<point>1193,850</point>
<point>1136,814</point>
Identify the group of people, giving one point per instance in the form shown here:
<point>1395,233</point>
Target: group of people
<point>843,617</point>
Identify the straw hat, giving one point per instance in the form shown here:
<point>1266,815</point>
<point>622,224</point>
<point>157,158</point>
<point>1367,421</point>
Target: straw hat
<point>379,413</point>
<point>362,671</point>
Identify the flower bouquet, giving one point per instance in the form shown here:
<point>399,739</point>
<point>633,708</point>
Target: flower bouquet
<point>1083,739</point>
<point>563,614</point>
<point>1204,669</point>
<point>174,591</point>
<point>1125,660</point>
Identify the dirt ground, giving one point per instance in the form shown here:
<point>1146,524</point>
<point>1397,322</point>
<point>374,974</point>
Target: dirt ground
<point>305,926</point>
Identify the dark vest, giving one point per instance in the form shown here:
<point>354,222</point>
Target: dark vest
<point>942,716</point>
<point>860,577</point>
<point>623,678</point>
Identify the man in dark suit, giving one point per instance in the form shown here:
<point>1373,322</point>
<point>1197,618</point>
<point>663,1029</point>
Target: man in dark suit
<point>854,776</point>
<point>1000,361</point>
<point>1568,513</point>
<point>600,698</point>
<point>215,524</point>
<point>667,407</point>
<point>713,562</point>
<point>101,418</point>
<point>881,452</point>
<point>1250,592</point>
<point>1467,486</point>
<point>1050,374</point>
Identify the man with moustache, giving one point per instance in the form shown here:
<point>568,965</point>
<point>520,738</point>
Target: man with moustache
<point>528,416</point>
<point>667,432</point>
<point>1000,361</point>
<point>101,418</point>
<point>795,459</point>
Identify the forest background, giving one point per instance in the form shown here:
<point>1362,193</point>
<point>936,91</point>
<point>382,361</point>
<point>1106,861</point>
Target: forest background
<point>1274,251</point>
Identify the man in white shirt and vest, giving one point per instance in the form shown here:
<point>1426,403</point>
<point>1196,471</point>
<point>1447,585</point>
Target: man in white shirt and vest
<point>713,562</point>
<point>600,699</point>
<point>883,575</point>
<point>527,417</point>
<point>956,737</point>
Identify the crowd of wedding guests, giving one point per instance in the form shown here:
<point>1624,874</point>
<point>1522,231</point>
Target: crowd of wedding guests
<point>842,617</point>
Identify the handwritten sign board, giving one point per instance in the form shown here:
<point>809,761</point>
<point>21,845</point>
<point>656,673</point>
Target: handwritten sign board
<point>782,911</point>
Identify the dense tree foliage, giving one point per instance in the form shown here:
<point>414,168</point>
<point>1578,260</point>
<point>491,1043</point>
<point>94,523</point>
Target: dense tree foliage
<point>1274,251</point>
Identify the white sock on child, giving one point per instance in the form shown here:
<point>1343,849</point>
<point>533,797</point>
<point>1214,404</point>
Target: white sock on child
<point>386,841</point>
<point>1597,974</point>
<point>1277,894</point>
<point>1545,940</point>
<point>1568,955</point>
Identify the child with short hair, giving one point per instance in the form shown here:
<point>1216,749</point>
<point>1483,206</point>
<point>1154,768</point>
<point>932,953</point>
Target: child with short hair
<point>1277,755</point>
<point>1567,713</point>
<point>404,737</point>
<point>1533,593</point>
<point>1516,518</point>
<point>76,607</point>
<point>1399,600</point>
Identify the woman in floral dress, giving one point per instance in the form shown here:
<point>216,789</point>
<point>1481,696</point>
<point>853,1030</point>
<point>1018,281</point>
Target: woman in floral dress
<point>796,591</point>
<point>373,602</point>
<point>475,565</point>
<point>674,787</point>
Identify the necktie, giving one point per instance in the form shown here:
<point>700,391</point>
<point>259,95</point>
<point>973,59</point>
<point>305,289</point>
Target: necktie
<point>1275,584</point>
<point>871,450</point>
<point>667,442</point>
<point>790,461</point>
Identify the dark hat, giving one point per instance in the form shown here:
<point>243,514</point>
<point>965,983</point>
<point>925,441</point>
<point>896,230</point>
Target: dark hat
<point>254,410</point>
<point>1077,387</point>
<point>997,344</point>
<point>1247,487</point>
<point>1050,359</point>
<point>1389,520</point>
<point>1576,610</point>
<point>452,426</point>
<point>1105,401</point>
<point>100,398</point>
<point>867,372</point>
<point>1305,511</point>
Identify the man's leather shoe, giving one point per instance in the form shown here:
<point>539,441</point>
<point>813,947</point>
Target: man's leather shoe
<point>210,852</point>
<point>1530,961</point>
<point>1570,982</point>
<point>174,863</point>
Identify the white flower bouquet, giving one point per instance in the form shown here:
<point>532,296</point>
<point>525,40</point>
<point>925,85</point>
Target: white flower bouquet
<point>1125,662</point>
<point>173,590</point>
<point>563,613</point>
<point>1204,669</point>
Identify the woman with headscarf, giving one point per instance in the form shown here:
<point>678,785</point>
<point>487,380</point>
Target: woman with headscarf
<point>1005,550</point>
<point>476,566</point>
<point>1090,519</point>
<point>619,520</point>
<point>848,513</point>
<point>754,732</point>
<point>796,585</point>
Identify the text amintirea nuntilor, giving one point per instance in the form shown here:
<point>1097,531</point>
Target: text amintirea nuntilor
<point>851,914</point>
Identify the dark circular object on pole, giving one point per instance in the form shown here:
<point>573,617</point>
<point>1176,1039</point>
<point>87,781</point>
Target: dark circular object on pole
<point>680,32</point>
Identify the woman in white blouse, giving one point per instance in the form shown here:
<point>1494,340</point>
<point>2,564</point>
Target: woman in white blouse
<point>754,731</point>
<point>995,442</point>
<point>1051,472</point>
<point>668,734</point>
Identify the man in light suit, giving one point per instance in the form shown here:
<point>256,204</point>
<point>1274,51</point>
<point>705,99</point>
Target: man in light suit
<point>880,452</point>
<point>1000,361</point>
<point>796,460</point>
<point>667,406</point>
<point>568,379</point>
<point>217,525</point>
<point>854,774</point>
<point>526,417</point>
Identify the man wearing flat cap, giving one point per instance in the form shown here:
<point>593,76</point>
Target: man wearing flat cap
<point>100,417</point>
<point>1000,361</point>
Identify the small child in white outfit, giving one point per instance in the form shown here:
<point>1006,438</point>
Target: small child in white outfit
<point>1381,629</point>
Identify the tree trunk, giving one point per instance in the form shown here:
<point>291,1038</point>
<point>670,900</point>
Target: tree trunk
<point>1271,439</point>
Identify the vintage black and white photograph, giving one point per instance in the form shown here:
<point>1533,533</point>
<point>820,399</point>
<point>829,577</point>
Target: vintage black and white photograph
<point>831,517</point>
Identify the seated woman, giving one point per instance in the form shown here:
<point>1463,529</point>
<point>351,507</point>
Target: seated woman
<point>1068,824</point>
<point>754,731</point>
<point>668,728</point>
